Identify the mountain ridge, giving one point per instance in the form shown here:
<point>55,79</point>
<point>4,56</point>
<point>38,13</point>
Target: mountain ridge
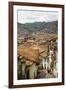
<point>37,27</point>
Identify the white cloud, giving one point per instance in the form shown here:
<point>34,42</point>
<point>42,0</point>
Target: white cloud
<point>28,16</point>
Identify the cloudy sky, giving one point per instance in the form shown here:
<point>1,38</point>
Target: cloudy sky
<point>30,16</point>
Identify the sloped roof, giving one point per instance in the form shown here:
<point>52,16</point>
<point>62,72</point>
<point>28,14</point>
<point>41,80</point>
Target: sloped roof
<point>29,53</point>
<point>33,52</point>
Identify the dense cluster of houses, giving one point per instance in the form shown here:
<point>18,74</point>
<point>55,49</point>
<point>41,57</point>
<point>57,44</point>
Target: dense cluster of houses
<point>37,57</point>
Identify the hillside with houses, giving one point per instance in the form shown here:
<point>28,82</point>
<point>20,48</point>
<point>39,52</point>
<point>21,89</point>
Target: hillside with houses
<point>37,50</point>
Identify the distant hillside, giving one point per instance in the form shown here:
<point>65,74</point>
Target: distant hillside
<point>37,27</point>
